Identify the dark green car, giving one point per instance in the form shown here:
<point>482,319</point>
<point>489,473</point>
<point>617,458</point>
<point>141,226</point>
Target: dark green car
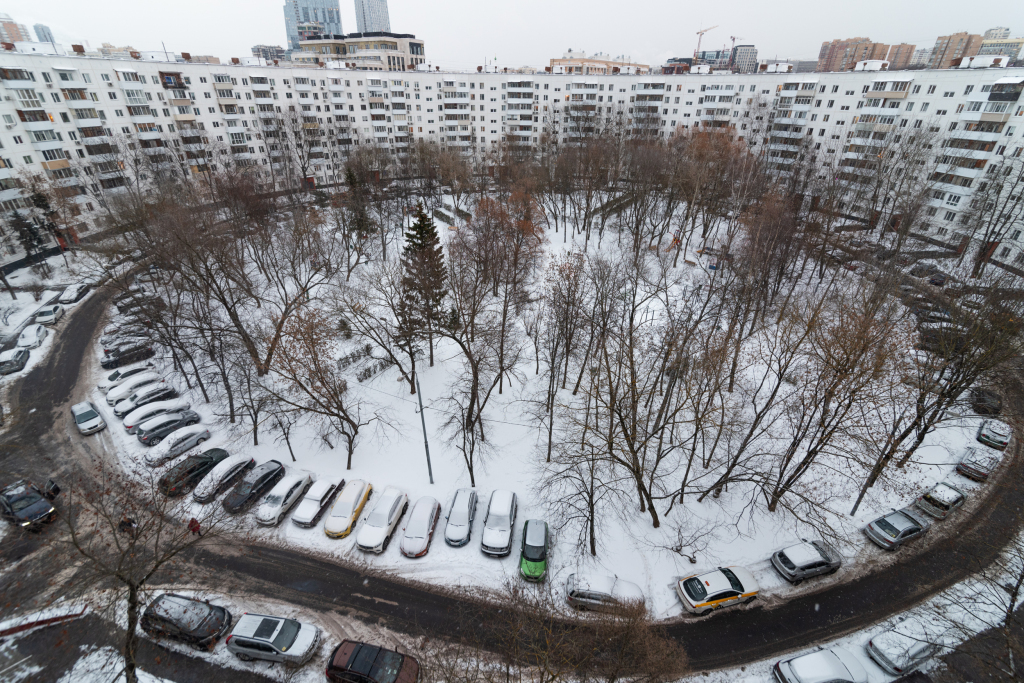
<point>533,560</point>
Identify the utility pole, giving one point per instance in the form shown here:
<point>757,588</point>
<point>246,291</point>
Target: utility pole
<point>423,421</point>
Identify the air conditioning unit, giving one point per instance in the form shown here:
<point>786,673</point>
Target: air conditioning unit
<point>110,84</point>
<point>49,85</point>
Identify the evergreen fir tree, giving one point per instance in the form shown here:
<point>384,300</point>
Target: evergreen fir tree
<point>29,235</point>
<point>423,262</point>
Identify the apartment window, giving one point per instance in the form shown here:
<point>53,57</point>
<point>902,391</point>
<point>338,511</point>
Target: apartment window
<point>27,159</point>
<point>948,93</point>
<point>924,107</point>
<point>950,216</point>
<point>105,77</point>
<point>835,88</point>
<point>916,89</point>
<point>112,95</point>
<point>931,89</point>
<point>1004,252</point>
<point>864,89</point>
<point>1015,235</point>
<point>968,89</point>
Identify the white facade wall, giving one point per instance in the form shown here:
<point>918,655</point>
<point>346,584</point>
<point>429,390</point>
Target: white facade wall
<point>489,108</point>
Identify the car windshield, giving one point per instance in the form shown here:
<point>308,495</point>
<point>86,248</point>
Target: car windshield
<point>733,580</point>
<point>786,562</point>
<point>25,500</point>
<point>460,512</point>
<point>386,667</point>
<point>498,521</point>
<point>286,636</point>
<point>533,553</point>
<point>379,516</point>
<point>86,416</point>
<point>695,589</point>
<point>273,501</point>
<point>343,508</point>
<point>887,528</point>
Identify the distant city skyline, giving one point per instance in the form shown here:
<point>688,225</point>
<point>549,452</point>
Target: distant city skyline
<point>518,38</point>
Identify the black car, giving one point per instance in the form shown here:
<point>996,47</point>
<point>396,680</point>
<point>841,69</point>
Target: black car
<point>23,504</point>
<point>227,480</point>
<point>938,280</point>
<point>254,484</point>
<point>986,402</point>
<point>152,432</point>
<point>187,473</point>
<point>193,622</point>
<point>129,353</point>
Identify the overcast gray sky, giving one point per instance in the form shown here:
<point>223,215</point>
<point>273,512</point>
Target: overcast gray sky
<point>459,34</point>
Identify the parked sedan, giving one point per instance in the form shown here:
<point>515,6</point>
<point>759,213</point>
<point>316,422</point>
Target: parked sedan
<point>995,434</point>
<point>904,648</point>
<point>419,530</point>
<point>24,505</point>
<point>179,441</point>
<point>119,377</point>
<point>274,639</point>
<point>806,559</point>
<point>533,558</point>
<point>32,337</point>
<point>13,360</point>
<point>147,412</point>
<point>375,535</point>
<point>151,393</point>
<point>459,528</point>
<point>352,661</point>
<point>87,418</point>
<point>347,508</point>
<point>725,586</point>
<point>128,353</point>
<point>189,472</point>
<point>315,503</point>
<point>986,402</point>
<point>940,500</point>
<point>496,539</point>
<point>187,620</point>
<point>834,665</point>
<point>222,477</point>
<point>50,315</point>
<point>978,463</point>
<point>73,293</point>
<point>283,497</point>
<point>891,531</point>
<point>152,432</point>
<point>601,593</point>
<point>252,485</point>
<point>129,385</point>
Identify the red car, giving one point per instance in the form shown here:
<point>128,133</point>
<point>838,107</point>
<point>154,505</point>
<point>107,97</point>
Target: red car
<point>354,662</point>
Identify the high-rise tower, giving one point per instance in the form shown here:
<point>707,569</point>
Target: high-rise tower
<point>372,16</point>
<point>327,13</point>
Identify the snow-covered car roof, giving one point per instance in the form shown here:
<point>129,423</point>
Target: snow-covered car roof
<point>803,554</point>
<point>997,427</point>
<point>318,489</point>
<point>946,494</point>
<point>286,482</point>
<point>212,480</point>
<point>535,532</point>
<point>174,404</point>
<point>9,354</point>
<point>32,330</point>
<point>186,431</point>
<point>419,518</point>
<point>824,665</point>
<point>155,422</point>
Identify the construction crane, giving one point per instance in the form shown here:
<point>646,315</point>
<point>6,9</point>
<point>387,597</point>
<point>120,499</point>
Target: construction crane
<point>732,52</point>
<point>700,37</point>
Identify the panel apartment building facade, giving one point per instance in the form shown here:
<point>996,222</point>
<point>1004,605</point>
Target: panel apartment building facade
<point>59,109</point>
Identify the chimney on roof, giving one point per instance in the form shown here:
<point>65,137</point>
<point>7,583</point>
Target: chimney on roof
<point>135,55</point>
<point>234,60</point>
<point>78,49</point>
<point>186,56</point>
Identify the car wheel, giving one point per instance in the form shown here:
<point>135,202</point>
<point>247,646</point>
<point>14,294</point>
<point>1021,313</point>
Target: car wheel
<point>750,600</point>
<point>797,582</point>
<point>155,441</point>
<point>244,657</point>
<point>387,542</point>
<point>706,612</point>
<point>833,571</point>
<point>199,441</point>
<point>190,423</point>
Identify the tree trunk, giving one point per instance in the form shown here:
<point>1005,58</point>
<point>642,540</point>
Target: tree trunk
<point>131,638</point>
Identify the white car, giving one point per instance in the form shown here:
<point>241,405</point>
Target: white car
<point>906,647</point>
<point>222,477</point>
<point>50,315</point>
<point>995,434</point>
<point>32,336</point>
<point>375,534</point>
<point>177,442</point>
<point>133,419</point>
<point>347,508</point>
<point>496,538</point>
<point>702,593</point>
<point>315,503</point>
<point>128,387</point>
<point>419,530</point>
<point>87,418</point>
<point>285,494</point>
<point>121,375</point>
<point>834,665</point>
<point>73,293</point>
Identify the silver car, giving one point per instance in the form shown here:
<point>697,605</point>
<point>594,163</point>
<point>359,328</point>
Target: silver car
<point>87,418</point>
<point>459,528</point>
<point>891,531</point>
<point>601,593</point>
<point>274,639</point>
<point>940,500</point>
<point>13,361</point>
<point>904,648</point>
<point>133,419</point>
<point>177,442</point>
<point>995,434</point>
<point>419,530</point>
<point>496,538</point>
<point>315,503</point>
<point>978,463</point>
<point>806,559</point>
<point>834,665</point>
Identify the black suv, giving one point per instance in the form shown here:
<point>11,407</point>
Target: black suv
<point>187,473</point>
<point>254,484</point>
<point>24,505</point>
<point>151,432</point>
<point>187,620</point>
<point>129,353</point>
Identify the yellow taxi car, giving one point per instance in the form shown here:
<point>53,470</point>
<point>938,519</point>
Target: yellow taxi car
<point>722,587</point>
<point>347,508</point>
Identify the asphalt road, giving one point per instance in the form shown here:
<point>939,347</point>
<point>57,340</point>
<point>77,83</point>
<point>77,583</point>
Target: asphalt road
<point>732,638</point>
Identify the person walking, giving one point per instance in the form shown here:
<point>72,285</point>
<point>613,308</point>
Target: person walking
<point>193,526</point>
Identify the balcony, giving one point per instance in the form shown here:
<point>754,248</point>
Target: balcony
<point>179,102</point>
<point>986,117</point>
<point>56,165</point>
<point>336,87</point>
<point>973,135</point>
<point>227,101</point>
<point>885,94</point>
<point>46,144</point>
<point>150,135</point>
<point>184,117</point>
<point>303,87</point>
<point>264,100</point>
<point>143,119</point>
<point>38,125</point>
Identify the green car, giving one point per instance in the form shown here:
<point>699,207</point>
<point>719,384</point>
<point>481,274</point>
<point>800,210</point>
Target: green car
<point>533,560</point>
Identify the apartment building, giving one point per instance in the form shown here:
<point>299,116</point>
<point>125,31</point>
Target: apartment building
<point>1010,47</point>
<point>900,56</point>
<point>842,55</point>
<point>579,62</point>
<point>372,16</point>
<point>744,59</point>
<point>326,13</point>
<point>43,33</point>
<point>63,111</point>
<point>922,56</point>
<point>953,47</point>
<point>997,33</point>
<point>11,31</point>
<point>379,51</point>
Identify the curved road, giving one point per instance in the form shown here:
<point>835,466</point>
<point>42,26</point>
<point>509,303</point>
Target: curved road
<point>32,448</point>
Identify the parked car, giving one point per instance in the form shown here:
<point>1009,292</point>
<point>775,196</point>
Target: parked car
<point>128,353</point>
<point>152,431</point>
<point>601,593</point>
<point>533,557</point>
<point>352,661</point>
<point>186,620</point>
<point>24,505</point>
<point>459,527</point>
<point>924,269</point>
<point>938,279</point>
<point>252,485</point>
<point>133,419</point>
<point>151,393</point>
<point>13,360</point>
<point>496,538</point>
<point>725,586</point>
<point>986,402</point>
<point>32,337</point>
<point>905,647</point>
<point>898,527</point>
<point>128,387</point>
<point>50,314</point>
<point>978,463</point>
<point>222,477</point>
<point>940,500</point>
<point>806,559</point>
<point>275,639</point>
<point>181,440</point>
<point>419,530</point>
<point>186,474</point>
<point>315,503</point>
<point>347,508</point>
<point>73,293</point>
<point>995,434</point>
<point>128,338</point>
<point>287,492</point>
<point>834,665</point>
<point>119,377</point>
<point>87,418</point>
<point>376,532</point>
